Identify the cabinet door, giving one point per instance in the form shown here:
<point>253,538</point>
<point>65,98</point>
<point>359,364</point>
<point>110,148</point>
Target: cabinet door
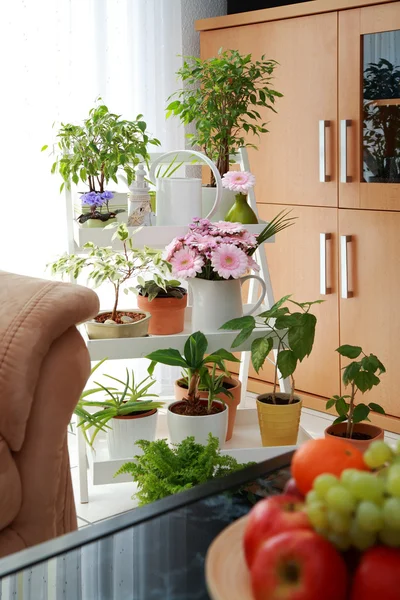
<point>287,163</point>
<point>296,268</point>
<point>370,316</point>
<point>369,107</point>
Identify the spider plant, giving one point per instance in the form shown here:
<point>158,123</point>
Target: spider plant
<point>124,400</point>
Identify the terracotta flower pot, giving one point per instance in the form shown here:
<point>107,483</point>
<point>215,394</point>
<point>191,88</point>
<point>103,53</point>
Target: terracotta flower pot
<point>375,432</point>
<point>232,403</point>
<point>279,423</point>
<point>167,314</point>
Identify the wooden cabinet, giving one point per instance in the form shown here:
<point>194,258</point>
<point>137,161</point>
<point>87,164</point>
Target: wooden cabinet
<point>370,317</point>
<point>287,162</point>
<point>340,65</point>
<point>369,107</point>
<point>294,262</point>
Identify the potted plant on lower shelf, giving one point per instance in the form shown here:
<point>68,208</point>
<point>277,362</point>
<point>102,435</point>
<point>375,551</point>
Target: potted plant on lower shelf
<point>224,386</point>
<point>117,268</point>
<point>194,415</point>
<point>361,375</point>
<point>166,301</point>
<point>127,413</point>
<point>161,471</point>
<point>294,332</point>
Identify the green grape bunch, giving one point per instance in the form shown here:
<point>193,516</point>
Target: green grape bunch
<point>361,508</point>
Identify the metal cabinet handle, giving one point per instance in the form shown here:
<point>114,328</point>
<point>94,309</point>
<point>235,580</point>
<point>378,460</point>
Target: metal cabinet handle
<point>323,177</point>
<point>344,124</point>
<point>344,277</point>
<point>323,288</point>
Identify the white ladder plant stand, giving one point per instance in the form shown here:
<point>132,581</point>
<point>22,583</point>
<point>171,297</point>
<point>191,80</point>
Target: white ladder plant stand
<point>103,469</point>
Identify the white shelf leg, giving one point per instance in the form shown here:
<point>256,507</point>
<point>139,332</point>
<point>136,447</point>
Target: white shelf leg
<point>82,467</point>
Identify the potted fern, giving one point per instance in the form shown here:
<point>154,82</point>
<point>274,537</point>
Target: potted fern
<point>127,413</point>
<point>195,415</point>
<point>92,153</point>
<point>361,376</point>
<point>222,97</point>
<point>294,332</point>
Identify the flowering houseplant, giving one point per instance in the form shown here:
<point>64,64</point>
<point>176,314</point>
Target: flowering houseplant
<point>220,95</point>
<point>94,151</point>
<point>240,182</point>
<point>221,250</point>
<point>96,201</point>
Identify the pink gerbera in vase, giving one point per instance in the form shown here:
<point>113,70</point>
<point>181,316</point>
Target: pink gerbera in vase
<point>238,181</point>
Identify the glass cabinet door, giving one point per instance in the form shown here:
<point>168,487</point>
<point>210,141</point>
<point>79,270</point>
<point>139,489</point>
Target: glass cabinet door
<point>381,107</point>
<point>369,107</point>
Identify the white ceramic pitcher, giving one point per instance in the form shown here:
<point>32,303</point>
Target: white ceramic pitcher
<point>179,200</point>
<point>216,302</point>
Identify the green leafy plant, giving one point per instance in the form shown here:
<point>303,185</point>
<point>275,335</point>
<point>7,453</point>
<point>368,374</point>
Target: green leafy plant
<point>94,151</point>
<point>160,288</point>
<point>195,361</point>
<point>115,267</point>
<point>162,471</point>
<point>220,96</point>
<point>294,332</point>
<point>129,398</point>
<point>361,375</point>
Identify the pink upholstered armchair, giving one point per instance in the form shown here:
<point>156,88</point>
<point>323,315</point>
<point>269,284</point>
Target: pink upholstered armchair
<point>44,365</point>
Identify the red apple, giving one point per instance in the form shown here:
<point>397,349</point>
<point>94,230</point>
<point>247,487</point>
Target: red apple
<point>292,489</point>
<point>298,565</point>
<point>269,517</point>
<point>377,575</point>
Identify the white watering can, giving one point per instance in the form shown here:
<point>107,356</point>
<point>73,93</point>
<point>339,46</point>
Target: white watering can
<point>179,200</point>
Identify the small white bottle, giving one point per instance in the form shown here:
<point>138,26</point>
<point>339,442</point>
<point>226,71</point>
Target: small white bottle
<point>139,206</point>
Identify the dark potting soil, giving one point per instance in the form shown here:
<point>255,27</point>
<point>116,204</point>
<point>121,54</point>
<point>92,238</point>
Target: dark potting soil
<point>226,385</point>
<point>194,409</point>
<point>133,315</point>
<point>356,436</point>
<point>278,400</point>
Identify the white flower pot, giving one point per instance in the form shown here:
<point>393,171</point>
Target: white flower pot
<point>216,302</point>
<point>182,426</point>
<point>225,204</point>
<point>124,432</point>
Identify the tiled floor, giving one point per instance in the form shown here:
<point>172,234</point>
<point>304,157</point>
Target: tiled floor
<point>108,500</point>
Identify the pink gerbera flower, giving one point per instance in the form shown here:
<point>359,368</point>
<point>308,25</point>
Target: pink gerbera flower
<point>186,263</point>
<point>238,181</point>
<point>227,227</point>
<point>229,261</point>
<point>252,264</point>
<point>174,246</point>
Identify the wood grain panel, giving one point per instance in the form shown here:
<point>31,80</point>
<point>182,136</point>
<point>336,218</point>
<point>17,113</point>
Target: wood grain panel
<point>282,12</point>
<point>294,263</point>
<point>371,318</point>
<point>287,162</point>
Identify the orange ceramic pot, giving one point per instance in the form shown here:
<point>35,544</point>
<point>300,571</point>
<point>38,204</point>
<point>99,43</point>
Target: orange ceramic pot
<point>232,403</point>
<point>375,432</point>
<point>167,314</point>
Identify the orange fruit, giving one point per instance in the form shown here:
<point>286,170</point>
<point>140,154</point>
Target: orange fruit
<point>324,455</point>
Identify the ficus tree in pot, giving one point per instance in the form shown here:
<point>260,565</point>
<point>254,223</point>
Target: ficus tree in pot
<point>194,360</point>
<point>361,375</point>
<point>222,96</point>
<point>294,332</point>
<point>115,267</point>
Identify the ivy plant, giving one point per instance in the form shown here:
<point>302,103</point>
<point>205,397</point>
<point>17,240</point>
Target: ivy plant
<point>222,97</point>
<point>361,375</point>
<point>293,331</point>
<point>93,152</point>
